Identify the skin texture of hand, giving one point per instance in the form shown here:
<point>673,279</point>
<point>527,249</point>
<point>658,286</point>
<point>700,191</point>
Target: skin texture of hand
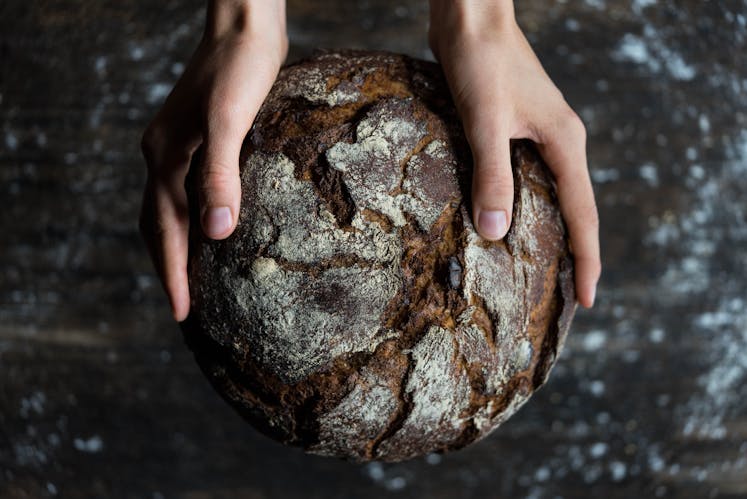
<point>502,92</point>
<point>213,104</point>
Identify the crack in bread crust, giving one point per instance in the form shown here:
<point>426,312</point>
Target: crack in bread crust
<point>355,312</point>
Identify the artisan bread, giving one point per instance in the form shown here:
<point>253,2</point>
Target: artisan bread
<point>355,311</point>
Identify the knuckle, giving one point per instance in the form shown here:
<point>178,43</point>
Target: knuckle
<point>218,170</point>
<point>589,218</point>
<point>592,268</point>
<point>596,269</point>
<point>492,178</point>
<point>587,254</point>
<point>164,157</point>
<point>284,44</point>
<point>565,127</point>
<point>572,123</point>
<point>593,220</point>
<point>217,177</point>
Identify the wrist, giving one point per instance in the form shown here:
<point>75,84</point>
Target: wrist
<point>470,17</point>
<point>244,18</point>
<point>455,22</point>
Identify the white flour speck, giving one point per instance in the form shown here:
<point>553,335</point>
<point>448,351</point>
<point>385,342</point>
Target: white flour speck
<point>395,483</point>
<point>639,5</point>
<point>157,92</point>
<point>177,69</point>
<point>596,388</point>
<point>34,403</point>
<point>592,473</point>
<point>679,69</point>
<point>99,65</point>
<point>633,48</point>
<point>618,470</point>
<point>375,471</point>
<point>649,173</point>
<point>594,340</point>
<point>137,53</point>
<point>597,4</point>
<point>89,445</point>
<point>656,335</point>
<point>655,461</point>
<point>542,474</point>
<point>598,450</point>
<point>601,176</point>
<point>697,172</point>
<point>572,24</point>
<point>11,141</point>
<point>704,123</point>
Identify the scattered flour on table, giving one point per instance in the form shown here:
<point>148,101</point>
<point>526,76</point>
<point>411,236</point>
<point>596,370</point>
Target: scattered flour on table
<point>716,231</point>
<point>651,51</point>
<point>91,445</point>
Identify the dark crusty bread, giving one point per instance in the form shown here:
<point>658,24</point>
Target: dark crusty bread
<point>355,311</point>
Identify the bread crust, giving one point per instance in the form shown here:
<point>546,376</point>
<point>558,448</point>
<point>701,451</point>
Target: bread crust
<point>355,311</point>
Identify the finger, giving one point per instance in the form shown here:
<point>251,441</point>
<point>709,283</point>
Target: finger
<point>164,222</point>
<point>172,240</point>
<point>147,216</point>
<point>220,187</point>
<point>492,181</point>
<point>230,113</point>
<point>164,218</point>
<point>565,152</point>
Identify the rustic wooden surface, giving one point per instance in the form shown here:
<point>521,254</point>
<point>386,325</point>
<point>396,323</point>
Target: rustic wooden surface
<point>99,397</point>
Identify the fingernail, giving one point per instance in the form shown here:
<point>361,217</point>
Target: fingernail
<point>216,221</point>
<point>492,224</point>
<point>593,296</point>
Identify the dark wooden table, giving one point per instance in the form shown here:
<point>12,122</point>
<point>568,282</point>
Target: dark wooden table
<point>99,397</point>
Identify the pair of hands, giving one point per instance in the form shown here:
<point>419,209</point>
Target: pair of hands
<point>499,86</point>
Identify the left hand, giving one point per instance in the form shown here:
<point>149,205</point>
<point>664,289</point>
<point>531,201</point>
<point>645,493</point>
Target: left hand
<point>502,92</point>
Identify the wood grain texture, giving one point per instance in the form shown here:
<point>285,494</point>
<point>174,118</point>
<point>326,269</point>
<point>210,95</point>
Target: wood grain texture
<point>100,398</point>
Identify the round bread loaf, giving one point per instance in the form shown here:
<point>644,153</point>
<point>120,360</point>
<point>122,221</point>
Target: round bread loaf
<point>355,311</point>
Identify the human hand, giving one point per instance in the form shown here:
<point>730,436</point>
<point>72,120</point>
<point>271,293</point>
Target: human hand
<point>502,92</point>
<point>213,104</point>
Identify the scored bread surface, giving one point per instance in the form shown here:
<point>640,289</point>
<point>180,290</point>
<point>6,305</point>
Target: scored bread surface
<point>355,311</point>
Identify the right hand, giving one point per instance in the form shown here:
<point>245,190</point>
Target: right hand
<point>213,104</point>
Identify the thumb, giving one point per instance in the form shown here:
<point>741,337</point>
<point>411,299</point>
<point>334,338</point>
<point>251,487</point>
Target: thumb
<point>220,184</point>
<point>492,184</point>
